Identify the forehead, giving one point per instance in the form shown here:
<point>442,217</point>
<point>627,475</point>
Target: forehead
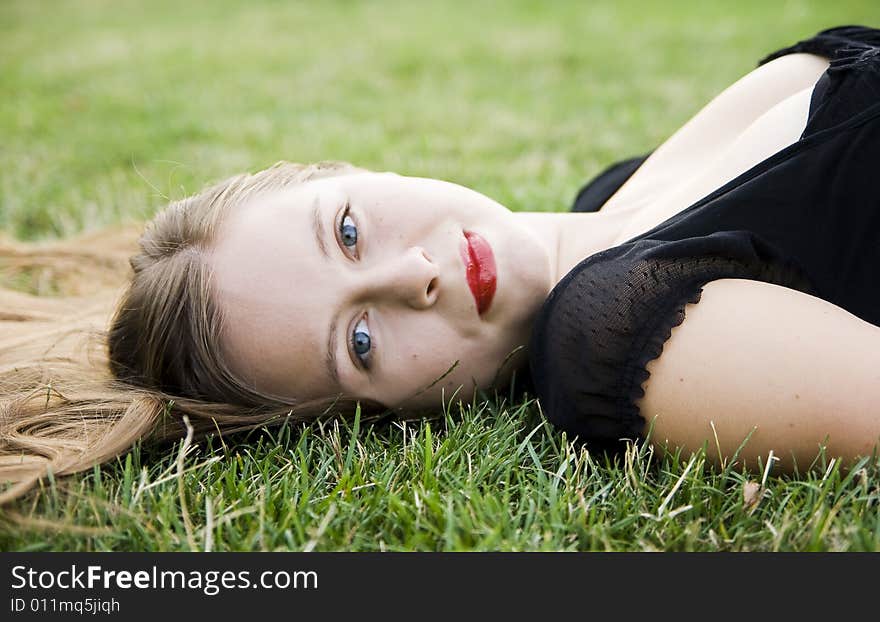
<point>264,261</point>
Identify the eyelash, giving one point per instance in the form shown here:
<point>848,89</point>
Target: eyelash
<point>343,215</point>
<point>365,358</point>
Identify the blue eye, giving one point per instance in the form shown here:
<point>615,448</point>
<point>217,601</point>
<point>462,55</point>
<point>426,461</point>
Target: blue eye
<point>360,342</point>
<point>348,232</point>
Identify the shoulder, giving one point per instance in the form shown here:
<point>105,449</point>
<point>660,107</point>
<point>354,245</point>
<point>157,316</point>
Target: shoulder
<point>831,43</point>
<point>757,369</point>
<point>611,315</point>
<point>596,192</point>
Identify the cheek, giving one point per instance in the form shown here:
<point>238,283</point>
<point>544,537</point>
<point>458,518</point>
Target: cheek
<point>430,361</point>
<point>421,349</point>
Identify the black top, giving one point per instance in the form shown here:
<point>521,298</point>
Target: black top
<point>807,217</point>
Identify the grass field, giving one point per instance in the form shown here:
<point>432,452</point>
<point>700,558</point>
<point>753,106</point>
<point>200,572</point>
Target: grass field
<point>110,108</point>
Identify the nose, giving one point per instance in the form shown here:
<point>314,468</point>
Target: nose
<point>410,278</point>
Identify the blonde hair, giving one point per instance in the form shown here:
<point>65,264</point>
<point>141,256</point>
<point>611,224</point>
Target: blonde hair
<point>90,365</point>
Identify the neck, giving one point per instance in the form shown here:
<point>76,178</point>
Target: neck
<point>571,237</point>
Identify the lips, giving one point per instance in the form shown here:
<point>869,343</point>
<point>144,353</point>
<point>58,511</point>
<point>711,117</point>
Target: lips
<point>479,265</point>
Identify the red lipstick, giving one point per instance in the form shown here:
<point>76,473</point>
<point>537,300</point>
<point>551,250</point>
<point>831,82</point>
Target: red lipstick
<point>479,263</point>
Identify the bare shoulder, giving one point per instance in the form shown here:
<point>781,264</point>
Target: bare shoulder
<point>715,127</point>
<point>767,85</point>
<point>792,370</point>
<point>798,66</point>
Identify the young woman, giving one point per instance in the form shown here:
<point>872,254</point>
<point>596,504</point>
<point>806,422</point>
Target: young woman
<point>722,289</point>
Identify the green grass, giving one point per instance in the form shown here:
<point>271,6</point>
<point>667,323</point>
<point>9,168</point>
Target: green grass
<point>109,108</point>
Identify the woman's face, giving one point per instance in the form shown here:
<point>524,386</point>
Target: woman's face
<point>358,285</point>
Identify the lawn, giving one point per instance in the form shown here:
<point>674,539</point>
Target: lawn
<point>110,108</point>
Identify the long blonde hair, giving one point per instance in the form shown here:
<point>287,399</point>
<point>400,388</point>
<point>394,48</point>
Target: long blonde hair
<point>90,364</point>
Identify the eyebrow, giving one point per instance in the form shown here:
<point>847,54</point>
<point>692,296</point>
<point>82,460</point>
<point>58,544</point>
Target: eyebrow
<point>320,236</point>
<point>330,359</point>
<point>318,226</point>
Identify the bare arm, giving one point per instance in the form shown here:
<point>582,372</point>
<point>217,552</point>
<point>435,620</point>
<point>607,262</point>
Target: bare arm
<point>714,128</point>
<point>759,115</point>
<point>797,369</point>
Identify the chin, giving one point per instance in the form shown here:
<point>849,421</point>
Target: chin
<point>530,275</point>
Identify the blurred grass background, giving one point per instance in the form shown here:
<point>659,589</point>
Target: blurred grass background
<point>108,108</point>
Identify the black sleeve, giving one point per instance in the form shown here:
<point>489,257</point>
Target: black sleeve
<point>853,74</point>
<point>837,44</point>
<point>608,317</point>
<point>593,195</point>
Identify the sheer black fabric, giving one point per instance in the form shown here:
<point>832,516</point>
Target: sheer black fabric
<point>807,218</point>
<point>606,319</point>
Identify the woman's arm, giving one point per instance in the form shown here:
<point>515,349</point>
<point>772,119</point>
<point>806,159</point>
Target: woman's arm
<point>720,123</point>
<point>797,369</point>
